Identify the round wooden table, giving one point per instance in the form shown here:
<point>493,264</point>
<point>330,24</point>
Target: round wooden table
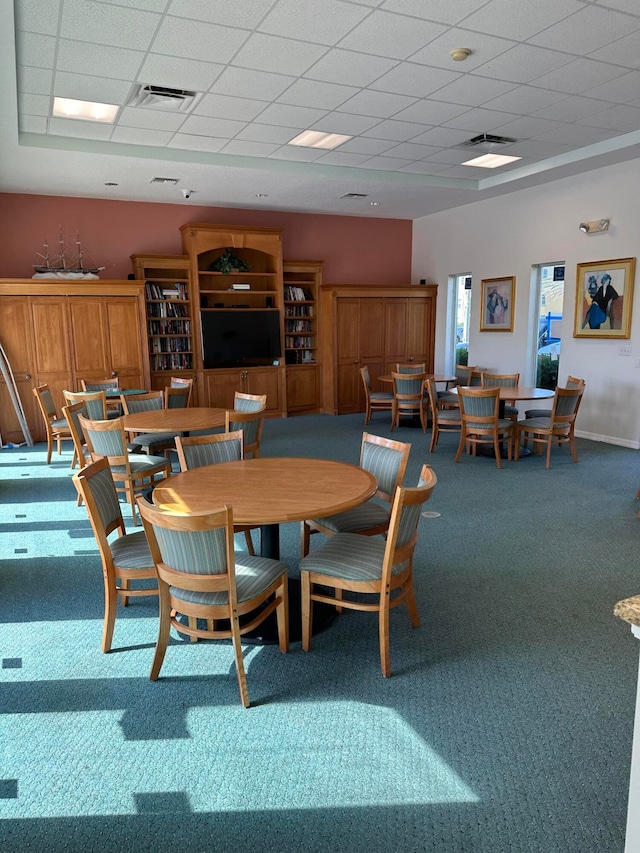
<point>174,420</point>
<point>437,377</point>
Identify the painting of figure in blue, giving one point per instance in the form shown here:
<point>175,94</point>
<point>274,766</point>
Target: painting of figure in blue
<point>600,298</point>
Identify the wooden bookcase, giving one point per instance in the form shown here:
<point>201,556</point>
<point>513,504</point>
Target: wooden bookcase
<point>301,291</point>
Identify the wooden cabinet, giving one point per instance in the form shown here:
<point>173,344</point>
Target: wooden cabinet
<point>302,282</point>
<point>374,327</point>
<point>59,332</point>
<point>219,386</point>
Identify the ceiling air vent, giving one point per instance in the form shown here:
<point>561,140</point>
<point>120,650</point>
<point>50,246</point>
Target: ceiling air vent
<point>354,195</point>
<point>162,98</point>
<point>486,141</point>
<point>164,180</point>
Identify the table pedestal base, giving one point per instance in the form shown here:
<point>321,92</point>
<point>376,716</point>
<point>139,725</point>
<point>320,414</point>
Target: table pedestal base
<point>266,634</point>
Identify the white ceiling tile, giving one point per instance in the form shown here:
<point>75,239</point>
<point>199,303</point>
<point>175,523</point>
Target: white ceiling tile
<point>34,49</point>
<point>482,48</point>
<point>245,148</point>
<point>411,151</point>
<point>331,22</point>
<point>398,131</point>
<point>314,93</point>
<point>424,168</point>
<point>535,149</point>
<point>191,142</point>
<point>223,106</point>
<point>571,109</point>
<point>363,145</point>
<point>624,51</point>
<point>380,104</point>
<point>472,91</point>
<point>32,124</point>
<point>621,5</point>
<point>341,158</point>
<point>520,19</point>
<point>622,118</point>
<point>256,132</point>
<point>246,83</point>
<point>205,126</point>
<point>38,16</point>
<point>441,136</point>
<point>472,172</point>
<point>197,40</point>
<point>343,123</point>
<point>523,63</point>
<point>579,75</point>
<point>621,90</point>
<point>388,34</point>
<point>450,156</point>
<point>430,112</point>
<point>80,129</point>
<point>141,136</point>
<point>384,164</point>
<point>524,99</point>
<point>147,5</point>
<point>246,14</point>
<point>574,134</point>
<point>448,12</point>
<point>588,30</point>
<point>350,68</point>
<point>106,24</point>
<point>279,55</point>
<point>296,154</point>
<point>34,105</point>
<point>152,119</point>
<point>99,60</point>
<point>34,81</point>
<point>407,78</point>
<point>178,73</point>
<point>286,115</point>
<point>85,88</point>
<point>526,127</point>
<point>481,120</point>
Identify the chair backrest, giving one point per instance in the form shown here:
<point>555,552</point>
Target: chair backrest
<point>95,484</point>
<point>98,384</point>
<point>403,525</point>
<point>366,381</point>
<point>71,413</point>
<point>251,424</point>
<point>476,379</point>
<point>249,402</point>
<point>106,438</point>
<point>408,387</point>
<point>179,382</point>
<point>132,403</point>
<point>432,393</point>
<point>411,368</point>
<point>574,382</point>
<point>177,398</point>
<point>503,380</point>
<point>479,406</point>
<point>95,403</point>
<point>199,450</point>
<point>565,406</point>
<point>464,373</point>
<point>386,460</point>
<point>45,401</point>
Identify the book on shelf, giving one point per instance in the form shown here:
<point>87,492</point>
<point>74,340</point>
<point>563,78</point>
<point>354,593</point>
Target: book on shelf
<point>297,294</point>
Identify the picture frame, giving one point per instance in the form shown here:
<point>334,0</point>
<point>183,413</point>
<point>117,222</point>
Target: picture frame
<point>496,304</point>
<point>604,298</point>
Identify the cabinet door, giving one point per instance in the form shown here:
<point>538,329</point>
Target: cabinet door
<point>395,333</point>
<point>420,330</point>
<point>371,344</point>
<point>348,365</point>
<point>90,355</point>
<point>303,388</point>
<point>16,340</point>
<point>220,387</point>
<point>124,341</point>
<point>269,381</point>
<point>51,350</point>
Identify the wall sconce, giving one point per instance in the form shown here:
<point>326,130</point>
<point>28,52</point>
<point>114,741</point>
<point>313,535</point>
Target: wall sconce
<point>594,226</point>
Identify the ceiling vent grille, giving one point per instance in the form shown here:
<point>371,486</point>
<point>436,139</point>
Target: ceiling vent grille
<point>164,180</point>
<point>354,195</point>
<point>162,98</point>
<point>487,142</point>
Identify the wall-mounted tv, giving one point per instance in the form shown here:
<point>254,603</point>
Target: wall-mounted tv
<point>240,338</point>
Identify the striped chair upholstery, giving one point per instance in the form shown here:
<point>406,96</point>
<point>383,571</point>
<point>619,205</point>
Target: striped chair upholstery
<point>559,426</point>
<point>180,382</point>
<point>95,403</point>
<point>572,382</point>
<point>56,427</point>
<point>464,375</point>
<point>98,384</point>
<point>348,563</point>
<point>411,368</point>
<point>134,472</point>
<point>503,380</point>
<point>150,442</point>
<point>442,420</point>
<point>125,558</point>
<point>177,398</point>
<point>200,577</point>
<point>480,421</point>
<point>387,461</point>
<point>249,402</point>
<point>72,414</point>
<point>408,397</point>
<point>251,424</point>
<point>375,401</point>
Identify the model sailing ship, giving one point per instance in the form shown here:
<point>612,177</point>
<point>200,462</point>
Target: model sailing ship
<point>62,265</point>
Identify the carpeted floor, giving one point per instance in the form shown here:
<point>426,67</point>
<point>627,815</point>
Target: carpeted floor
<point>506,724</point>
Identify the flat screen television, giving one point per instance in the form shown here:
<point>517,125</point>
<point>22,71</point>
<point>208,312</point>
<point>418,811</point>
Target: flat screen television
<point>240,338</point>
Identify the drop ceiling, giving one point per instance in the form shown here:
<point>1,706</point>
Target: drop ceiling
<point>561,77</point>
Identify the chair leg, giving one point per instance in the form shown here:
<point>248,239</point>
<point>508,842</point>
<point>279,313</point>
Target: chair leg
<point>463,441</point>
<point>163,632</point>
<point>110,605</point>
<point>125,584</point>
<point>249,541</point>
<point>282,616</point>
<point>307,609</point>
<point>496,449</point>
<point>434,436</point>
<point>305,539</point>
<point>412,607</point>
<point>193,624</point>
<point>132,501</point>
<point>549,452</point>
<point>383,629</point>
<point>49,446</point>
<point>237,654</point>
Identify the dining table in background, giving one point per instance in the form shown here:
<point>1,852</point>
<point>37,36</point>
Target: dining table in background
<point>175,420</point>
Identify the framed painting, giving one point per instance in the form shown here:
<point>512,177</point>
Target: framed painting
<point>496,304</point>
<point>604,297</point>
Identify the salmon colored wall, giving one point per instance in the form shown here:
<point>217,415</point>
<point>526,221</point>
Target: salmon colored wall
<point>355,250</point>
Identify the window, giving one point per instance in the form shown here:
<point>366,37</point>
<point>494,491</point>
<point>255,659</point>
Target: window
<point>548,318</point>
<point>460,314</point>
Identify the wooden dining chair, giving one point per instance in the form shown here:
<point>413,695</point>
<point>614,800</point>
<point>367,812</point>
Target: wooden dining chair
<point>348,565</point>
<point>408,398</point>
<point>183,382</point>
<point>558,427</point>
<point>411,368</point>
<point>572,382</point>
<point>375,401</point>
<point>56,427</point>
<point>198,450</point>
<point>71,413</point>
<point>249,402</point>
<point>464,375</point>
<point>442,420</point>
<point>126,558</point>
<point>132,472</point>
<point>149,442</point>
<point>387,460</point>
<point>251,424</point>
<point>479,408</point>
<point>99,384</point>
<point>95,403</point>
<point>200,577</point>
<point>503,380</point>
<point>177,398</point>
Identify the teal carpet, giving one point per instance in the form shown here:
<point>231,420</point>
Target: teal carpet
<point>506,724</point>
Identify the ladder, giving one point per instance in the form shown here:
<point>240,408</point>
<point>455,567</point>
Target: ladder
<point>9,378</point>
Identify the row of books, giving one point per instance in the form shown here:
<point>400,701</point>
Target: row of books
<point>299,311</point>
<point>170,290</point>
<point>298,342</point>
<point>174,361</point>
<point>297,294</point>
<point>298,326</point>
<point>166,309</point>
<point>170,344</point>
<point>169,327</point>
<point>300,356</point>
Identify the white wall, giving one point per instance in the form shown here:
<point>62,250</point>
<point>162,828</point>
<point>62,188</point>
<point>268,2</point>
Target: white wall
<point>506,236</point>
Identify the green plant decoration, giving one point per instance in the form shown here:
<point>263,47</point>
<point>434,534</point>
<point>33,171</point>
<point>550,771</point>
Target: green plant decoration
<point>228,263</point>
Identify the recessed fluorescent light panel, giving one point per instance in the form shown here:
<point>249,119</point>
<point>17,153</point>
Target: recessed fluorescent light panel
<point>490,161</point>
<point>86,110</point>
<point>317,139</point>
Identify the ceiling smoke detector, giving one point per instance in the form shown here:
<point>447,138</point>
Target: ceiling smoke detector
<point>459,54</point>
<point>163,98</point>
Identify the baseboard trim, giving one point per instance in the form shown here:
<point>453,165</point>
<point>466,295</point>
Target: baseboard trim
<point>609,439</point>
